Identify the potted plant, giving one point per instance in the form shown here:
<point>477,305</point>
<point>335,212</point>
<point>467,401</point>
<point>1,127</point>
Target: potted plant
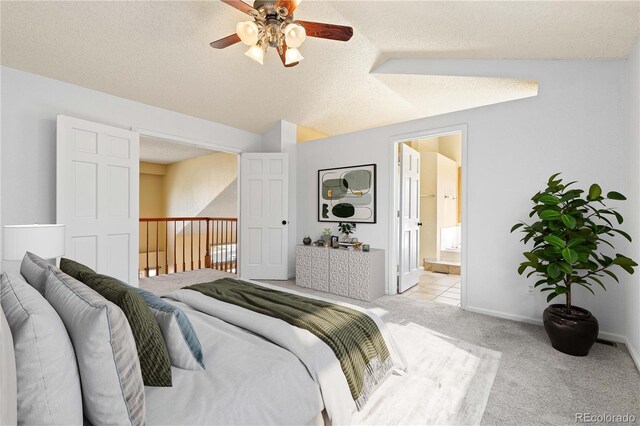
<point>569,231</point>
<point>347,228</point>
<point>306,240</point>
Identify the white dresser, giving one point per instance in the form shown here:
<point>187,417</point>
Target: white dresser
<point>355,274</point>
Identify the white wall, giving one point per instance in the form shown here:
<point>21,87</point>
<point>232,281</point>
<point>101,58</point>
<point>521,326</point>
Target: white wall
<point>577,124</point>
<point>632,284</point>
<point>30,104</point>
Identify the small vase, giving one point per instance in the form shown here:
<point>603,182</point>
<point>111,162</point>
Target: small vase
<point>306,241</point>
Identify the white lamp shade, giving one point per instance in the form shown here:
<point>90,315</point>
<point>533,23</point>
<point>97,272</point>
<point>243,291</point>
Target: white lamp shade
<point>256,53</point>
<point>292,55</point>
<point>248,32</point>
<point>46,241</point>
<point>294,35</point>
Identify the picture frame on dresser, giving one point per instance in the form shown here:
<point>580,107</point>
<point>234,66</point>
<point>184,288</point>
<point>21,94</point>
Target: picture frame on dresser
<point>348,194</point>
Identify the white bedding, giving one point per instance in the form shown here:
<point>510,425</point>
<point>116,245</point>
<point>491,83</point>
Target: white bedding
<point>248,381</point>
<point>319,360</point>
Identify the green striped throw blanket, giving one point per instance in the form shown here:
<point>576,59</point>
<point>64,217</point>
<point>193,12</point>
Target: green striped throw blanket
<point>353,336</point>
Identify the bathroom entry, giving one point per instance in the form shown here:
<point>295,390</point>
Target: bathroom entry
<point>436,213</point>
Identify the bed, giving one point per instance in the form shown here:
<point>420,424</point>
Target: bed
<point>259,369</point>
<point>238,387</point>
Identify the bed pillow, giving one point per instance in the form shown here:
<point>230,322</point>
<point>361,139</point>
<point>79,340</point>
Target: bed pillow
<point>112,387</point>
<point>185,350</point>
<point>34,269</point>
<point>8,385</point>
<point>73,268</point>
<point>152,350</point>
<point>48,384</point>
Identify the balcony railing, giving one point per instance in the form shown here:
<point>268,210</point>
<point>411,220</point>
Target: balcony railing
<point>176,244</point>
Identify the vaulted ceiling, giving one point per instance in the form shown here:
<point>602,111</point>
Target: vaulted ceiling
<point>157,53</point>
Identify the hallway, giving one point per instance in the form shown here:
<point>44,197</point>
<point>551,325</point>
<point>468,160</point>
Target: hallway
<point>436,287</point>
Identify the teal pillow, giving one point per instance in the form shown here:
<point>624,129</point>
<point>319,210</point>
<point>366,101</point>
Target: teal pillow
<point>73,268</point>
<point>152,350</point>
<point>185,350</point>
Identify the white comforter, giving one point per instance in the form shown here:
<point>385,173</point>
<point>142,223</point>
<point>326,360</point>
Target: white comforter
<point>248,381</point>
<point>318,358</point>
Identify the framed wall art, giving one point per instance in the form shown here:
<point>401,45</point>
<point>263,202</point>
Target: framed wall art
<point>347,194</point>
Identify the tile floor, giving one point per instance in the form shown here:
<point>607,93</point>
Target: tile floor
<point>436,287</point>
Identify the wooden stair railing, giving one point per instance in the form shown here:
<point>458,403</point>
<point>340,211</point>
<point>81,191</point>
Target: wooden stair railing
<point>220,244</point>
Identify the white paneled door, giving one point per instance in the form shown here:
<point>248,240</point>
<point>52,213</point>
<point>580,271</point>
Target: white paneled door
<point>264,228</point>
<point>97,196</point>
<point>409,259</point>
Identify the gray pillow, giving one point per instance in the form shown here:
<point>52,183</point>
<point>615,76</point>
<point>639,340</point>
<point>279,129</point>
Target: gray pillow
<point>8,385</point>
<point>48,383</point>
<point>112,387</point>
<point>34,269</point>
<point>182,342</point>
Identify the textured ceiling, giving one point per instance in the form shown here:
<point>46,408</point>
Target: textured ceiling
<point>159,151</point>
<point>157,53</point>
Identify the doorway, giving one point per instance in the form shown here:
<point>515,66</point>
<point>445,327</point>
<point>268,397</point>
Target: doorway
<point>429,192</point>
<point>189,207</point>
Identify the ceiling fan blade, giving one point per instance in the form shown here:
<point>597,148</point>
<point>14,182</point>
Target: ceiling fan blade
<point>291,5</point>
<point>242,7</point>
<point>330,31</point>
<point>225,42</point>
<point>283,55</point>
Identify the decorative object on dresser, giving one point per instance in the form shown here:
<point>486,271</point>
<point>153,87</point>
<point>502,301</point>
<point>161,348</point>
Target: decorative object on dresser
<point>326,235</point>
<point>347,193</point>
<point>356,274</point>
<point>306,240</point>
<point>347,228</point>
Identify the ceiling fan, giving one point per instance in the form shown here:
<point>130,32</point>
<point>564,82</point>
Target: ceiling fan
<point>273,26</point>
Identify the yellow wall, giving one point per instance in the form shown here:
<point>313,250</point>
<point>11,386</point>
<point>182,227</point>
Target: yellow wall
<point>305,134</point>
<point>151,203</point>
<point>440,172</point>
<point>192,184</point>
<point>183,189</point>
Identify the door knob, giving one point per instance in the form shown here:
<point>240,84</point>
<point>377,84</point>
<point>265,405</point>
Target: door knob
<point>284,222</point>
<point>419,223</point>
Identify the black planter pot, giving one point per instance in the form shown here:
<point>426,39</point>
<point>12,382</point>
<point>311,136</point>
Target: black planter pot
<point>573,333</point>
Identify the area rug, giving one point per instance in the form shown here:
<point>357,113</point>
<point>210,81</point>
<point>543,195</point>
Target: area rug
<point>447,383</point>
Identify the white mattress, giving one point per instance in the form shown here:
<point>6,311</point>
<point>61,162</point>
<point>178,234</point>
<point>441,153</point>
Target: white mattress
<point>238,387</point>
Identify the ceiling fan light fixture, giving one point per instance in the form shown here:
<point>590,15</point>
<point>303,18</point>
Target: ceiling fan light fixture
<point>256,53</point>
<point>295,35</point>
<point>293,55</point>
<point>248,32</point>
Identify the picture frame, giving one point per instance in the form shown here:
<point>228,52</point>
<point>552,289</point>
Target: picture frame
<point>348,194</point>
<point>334,239</point>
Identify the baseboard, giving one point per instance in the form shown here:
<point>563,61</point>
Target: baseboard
<point>634,355</point>
<point>537,321</point>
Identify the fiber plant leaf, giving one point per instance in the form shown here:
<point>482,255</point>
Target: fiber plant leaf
<point>548,199</point>
<point>555,241</point>
<point>572,228</point>
<point>570,256</point>
<point>549,215</point>
<point>569,221</point>
<point>594,192</point>
<point>516,226</point>
<point>613,195</point>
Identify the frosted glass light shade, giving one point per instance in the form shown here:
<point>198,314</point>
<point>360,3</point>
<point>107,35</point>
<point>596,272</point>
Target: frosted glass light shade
<point>292,55</point>
<point>294,35</point>
<point>46,241</point>
<point>256,53</point>
<point>248,32</point>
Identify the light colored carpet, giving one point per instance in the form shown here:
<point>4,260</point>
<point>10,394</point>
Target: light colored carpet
<point>535,384</point>
<point>447,383</point>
